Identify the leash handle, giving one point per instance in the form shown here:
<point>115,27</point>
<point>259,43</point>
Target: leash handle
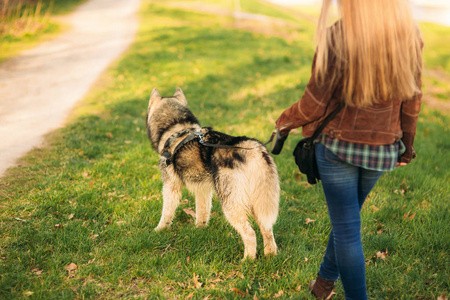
<point>279,142</point>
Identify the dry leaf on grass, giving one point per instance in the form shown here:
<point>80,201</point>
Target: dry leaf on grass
<point>279,294</point>
<point>308,220</point>
<point>408,216</point>
<point>36,271</point>
<point>238,292</point>
<point>197,284</point>
<point>189,212</point>
<point>71,267</point>
<point>442,297</point>
<point>382,255</point>
<point>276,276</point>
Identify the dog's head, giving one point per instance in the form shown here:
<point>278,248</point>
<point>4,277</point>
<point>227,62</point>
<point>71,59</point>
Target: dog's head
<point>156,101</point>
<point>164,113</point>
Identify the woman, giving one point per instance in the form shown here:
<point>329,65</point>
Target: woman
<point>371,59</point>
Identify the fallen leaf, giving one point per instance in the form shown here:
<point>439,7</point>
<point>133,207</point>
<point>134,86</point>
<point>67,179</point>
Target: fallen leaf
<point>71,267</point>
<point>197,284</point>
<point>36,271</point>
<point>94,236</point>
<point>110,135</point>
<point>71,216</point>
<point>238,292</point>
<point>190,295</point>
<point>189,212</point>
<point>442,297</point>
<point>374,208</point>
<point>308,220</point>
<point>382,255</point>
<point>279,294</point>
<point>91,261</point>
<point>407,216</point>
<point>216,280</point>
<point>58,226</point>
<point>28,293</point>
<point>276,276</point>
<point>401,192</point>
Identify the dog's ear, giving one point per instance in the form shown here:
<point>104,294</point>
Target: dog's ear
<point>180,96</point>
<point>154,96</point>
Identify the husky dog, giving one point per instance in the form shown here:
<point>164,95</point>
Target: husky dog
<point>239,169</point>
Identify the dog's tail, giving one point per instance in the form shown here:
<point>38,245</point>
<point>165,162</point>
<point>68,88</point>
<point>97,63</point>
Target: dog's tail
<point>264,188</point>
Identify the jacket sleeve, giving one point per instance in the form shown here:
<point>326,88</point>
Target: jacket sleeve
<point>409,115</point>
<point>308,109</point>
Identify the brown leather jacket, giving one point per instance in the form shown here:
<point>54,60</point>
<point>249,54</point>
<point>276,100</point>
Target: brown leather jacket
<point>381,124</point>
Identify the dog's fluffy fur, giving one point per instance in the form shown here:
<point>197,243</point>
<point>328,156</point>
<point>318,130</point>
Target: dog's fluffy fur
<point>245,180</point>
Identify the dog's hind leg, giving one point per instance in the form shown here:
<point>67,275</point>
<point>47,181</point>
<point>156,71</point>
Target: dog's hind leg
<point>171,198</point>
<point>270,247</point>
<point>235,208</point>
<point>238,218</point>
<point>265,210</point>
<point>203,199</point>
<point>264,206</point>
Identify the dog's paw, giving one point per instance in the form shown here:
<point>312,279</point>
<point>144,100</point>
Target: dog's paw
<point>248,258</point>
<point>270,251</point>
<point>201,224</point>
<point>159,228</point>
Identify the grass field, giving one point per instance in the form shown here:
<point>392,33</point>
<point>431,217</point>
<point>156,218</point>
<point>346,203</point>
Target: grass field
<point>25,23</point>
<point>77,215</point>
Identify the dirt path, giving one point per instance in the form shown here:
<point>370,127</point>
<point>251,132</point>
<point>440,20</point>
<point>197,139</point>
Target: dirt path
<point>39,88</point>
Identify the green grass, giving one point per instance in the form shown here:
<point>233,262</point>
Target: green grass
<point>25,23</point>
<point>437,60</point>
<point>92,196</point>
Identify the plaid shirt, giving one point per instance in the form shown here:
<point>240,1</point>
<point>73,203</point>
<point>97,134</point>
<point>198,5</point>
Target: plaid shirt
<point>378,158</point>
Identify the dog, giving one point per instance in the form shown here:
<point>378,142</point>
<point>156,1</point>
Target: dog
<point>239,170</point>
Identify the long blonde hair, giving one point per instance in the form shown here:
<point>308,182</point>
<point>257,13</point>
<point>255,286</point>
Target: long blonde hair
<point>377,48</point>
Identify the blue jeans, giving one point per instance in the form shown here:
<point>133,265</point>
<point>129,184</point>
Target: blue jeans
<point>346,187</point>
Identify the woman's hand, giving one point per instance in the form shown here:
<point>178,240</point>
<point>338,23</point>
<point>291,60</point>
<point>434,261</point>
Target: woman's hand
<point>400,164</point>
